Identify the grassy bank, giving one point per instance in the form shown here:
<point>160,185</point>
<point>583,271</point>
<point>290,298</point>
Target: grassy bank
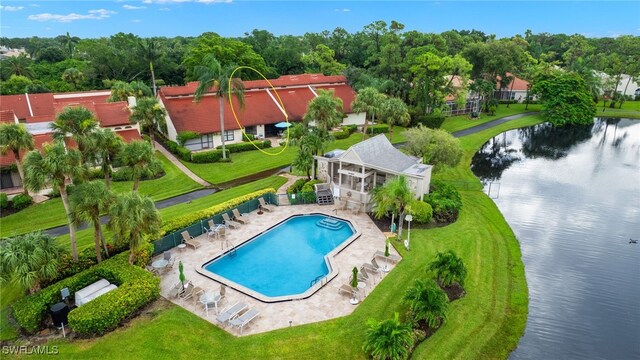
<point>630,109</point>
<point>487,323</point>
<point>51,213</point>
<point>461,122</point>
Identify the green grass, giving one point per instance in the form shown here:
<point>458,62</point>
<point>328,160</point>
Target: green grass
<point>630,109</point>
<point>487,323</point>
<point>10,293</point>
<point>51,213</point>
<point>457,123</point>
<point>252,162</point>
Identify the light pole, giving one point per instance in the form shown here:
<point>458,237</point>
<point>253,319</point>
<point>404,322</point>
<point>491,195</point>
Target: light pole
<point>409,218</point>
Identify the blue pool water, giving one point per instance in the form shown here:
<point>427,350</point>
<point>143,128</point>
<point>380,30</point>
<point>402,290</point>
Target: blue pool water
<point>285,259</point>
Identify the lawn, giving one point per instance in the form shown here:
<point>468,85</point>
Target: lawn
<point>461,122</point>
<point>252,162</point>
<point>487,323</point>
<point>630,109</point>
<point>51,213</point>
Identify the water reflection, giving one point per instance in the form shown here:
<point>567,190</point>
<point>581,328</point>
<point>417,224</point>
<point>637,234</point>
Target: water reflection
<point>572,196</point>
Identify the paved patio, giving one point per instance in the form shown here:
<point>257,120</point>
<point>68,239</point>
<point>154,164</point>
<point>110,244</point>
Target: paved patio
<point>326,303</point>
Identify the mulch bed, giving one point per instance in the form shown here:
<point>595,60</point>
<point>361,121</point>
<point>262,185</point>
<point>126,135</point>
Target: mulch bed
<point>454,291</point>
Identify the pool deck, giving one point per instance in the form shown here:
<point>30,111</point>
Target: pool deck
<point>326,303</point>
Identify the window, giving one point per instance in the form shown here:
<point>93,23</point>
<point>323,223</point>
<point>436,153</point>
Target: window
<point>228,135</point>
<point>206,141</point>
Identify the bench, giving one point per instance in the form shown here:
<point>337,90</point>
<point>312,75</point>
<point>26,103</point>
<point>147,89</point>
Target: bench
<point>92,291</point>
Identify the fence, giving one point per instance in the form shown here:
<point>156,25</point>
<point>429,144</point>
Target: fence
<point>174,239</point>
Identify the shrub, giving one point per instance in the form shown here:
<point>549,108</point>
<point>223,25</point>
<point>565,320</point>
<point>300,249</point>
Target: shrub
<point>21,201</point>
<point>420,211</point>
<point>4,201</point>
<point>432,121</point>
<point>125,174</point>
<point>308,191</point>
<point>210,156</point>
<point>342,134</point>
<point>296,186</point>
<point>379,129</point>
<point>248,137</point>
<point>246,146</point>
<point>95,173</point>
<point>136,288</point>
<point>445,201</point>
<point>185,136</point>
<point>192,218</point>
<point>183,153</point>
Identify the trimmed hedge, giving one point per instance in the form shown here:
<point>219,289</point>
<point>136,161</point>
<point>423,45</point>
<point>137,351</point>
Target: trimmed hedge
<point>431,121</point>
<point>210,156</point>
<point>21,201</point>
<point>345,132</point>
<point>4,201</point>
<point>378,129</point>
<point>183,221</point>
<point>308,191</point>
<point>136,288</point>
<point>296,186</point>
<point>246,146</point>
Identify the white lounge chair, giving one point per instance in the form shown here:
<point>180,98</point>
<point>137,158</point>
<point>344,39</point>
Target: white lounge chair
<point>188,240</point>
<point>238,217</point>
<point>230,312</point>
<point>346,289</point>
<point>244,319</point>
<point>229,222</point>
<point>265,206</point>
<point>391,257</point>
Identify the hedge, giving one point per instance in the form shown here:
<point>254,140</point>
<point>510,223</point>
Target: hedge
<point>136,288</point>
<point>4,201</point>
<point>431,121</point>
<point>21,201</point>
<point>210,156</point>
<point>296,186</point>
<point>345,132</point>
<point>378,129</point>
<point>183,221</point>
<point>246,146</point>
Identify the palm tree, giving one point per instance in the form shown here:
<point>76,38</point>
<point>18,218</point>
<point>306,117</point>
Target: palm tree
<point>395,112</point>
<point>120,91</point>
<point>73,76</point>
<point>53,167</point>
<point>88,201</point>
<point>80,123</point>
<point>388,339</point>
<point>212,76</point>
<point>304,160</point>
<point>427,302</point>
<point>449,268</point>
<point>150,53</point>
<point>368,100</point>
<point>15,138</point>
<point>392,197</point>
<point>17,65</point>
<point>326,110</point>
<point>132,218</point>
<point>106,145</point>
<point>28,260</point>
<point>150,115</point>
<point>70,43</point>
<point>141,160</point>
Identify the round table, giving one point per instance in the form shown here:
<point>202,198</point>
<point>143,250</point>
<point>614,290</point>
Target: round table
<point>210,297</point>
<point>181,246</point>
<point>160,264</point>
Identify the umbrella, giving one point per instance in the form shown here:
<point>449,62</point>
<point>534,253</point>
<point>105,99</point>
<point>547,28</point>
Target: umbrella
<point>283,124</point>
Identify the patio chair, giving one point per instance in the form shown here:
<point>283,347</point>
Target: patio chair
<point>238,217</point>
<point>171,263</point>
<point>192,292</point>
<point>177,289</point>
<point>346,289</point>
<point>265,206</point>
<point>166,255</point>
<point>229,222</point>
<point>370,269</point>
<point>391,257</point>
<point>230,312</point>
<point>244,319</point>
<point>212,230</point>
<point>188,240</point>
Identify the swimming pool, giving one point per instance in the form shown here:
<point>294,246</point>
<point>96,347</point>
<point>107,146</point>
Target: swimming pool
<point>290,260</point>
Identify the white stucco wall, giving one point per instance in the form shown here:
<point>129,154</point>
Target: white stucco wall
<point>354,119</point>
<point>171,129</point>
<point>196,144</point>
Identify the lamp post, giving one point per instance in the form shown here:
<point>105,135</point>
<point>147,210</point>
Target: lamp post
<point>409,218</point>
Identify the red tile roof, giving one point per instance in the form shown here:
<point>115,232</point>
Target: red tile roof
<point>518,84</point>
<point>41,105</point>
<point>7,116</point>
<point>113,114</point>
<point>38,140</point>
<point>261,102</point>
<point>129,135</point>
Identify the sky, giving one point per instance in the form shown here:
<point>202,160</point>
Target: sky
<point>234,18</point>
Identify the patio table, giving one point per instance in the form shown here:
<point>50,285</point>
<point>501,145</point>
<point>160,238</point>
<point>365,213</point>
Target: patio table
<point>208,298</point>
<point>160,264</point>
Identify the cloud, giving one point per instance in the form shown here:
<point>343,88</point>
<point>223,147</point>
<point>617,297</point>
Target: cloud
<point>35,5</point>
<point>136,21</point>
<point>11,8</point>
<point>131,7</point>
<point>341,10</point>
<point>98,14</point>
<point>165,9</point>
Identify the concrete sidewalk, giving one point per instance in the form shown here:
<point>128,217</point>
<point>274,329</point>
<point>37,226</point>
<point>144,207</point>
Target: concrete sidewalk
<point>179,165</point>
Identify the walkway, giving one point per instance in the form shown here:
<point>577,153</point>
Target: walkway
<point>180,165</point>
<point>490,124</point>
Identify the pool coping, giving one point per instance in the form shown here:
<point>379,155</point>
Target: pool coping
<point>328,258</point>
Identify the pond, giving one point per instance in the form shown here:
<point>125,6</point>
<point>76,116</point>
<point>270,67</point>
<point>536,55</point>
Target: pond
<point>572,197</point>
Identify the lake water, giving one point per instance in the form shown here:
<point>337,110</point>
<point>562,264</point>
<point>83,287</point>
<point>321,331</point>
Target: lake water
<point>572,197</point>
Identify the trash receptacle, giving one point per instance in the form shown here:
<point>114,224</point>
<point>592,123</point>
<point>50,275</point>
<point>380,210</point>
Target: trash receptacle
<point>59,314</point>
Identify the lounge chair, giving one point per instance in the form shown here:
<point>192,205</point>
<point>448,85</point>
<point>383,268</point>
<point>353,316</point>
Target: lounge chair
<point>229,222</point>
<point>238,217</point>
<point>370,269</point>
<point>188,240</point>
<point>192,292</point>
<point>265,206</point>
<point>178,289</point>
<point>391,257</point>
<point>244,319</point>
<point>346,289</point>
<point>230,312</point>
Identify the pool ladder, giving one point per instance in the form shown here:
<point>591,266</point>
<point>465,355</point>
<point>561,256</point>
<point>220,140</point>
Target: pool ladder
<point>232,252</point>
<point>318,278</point>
